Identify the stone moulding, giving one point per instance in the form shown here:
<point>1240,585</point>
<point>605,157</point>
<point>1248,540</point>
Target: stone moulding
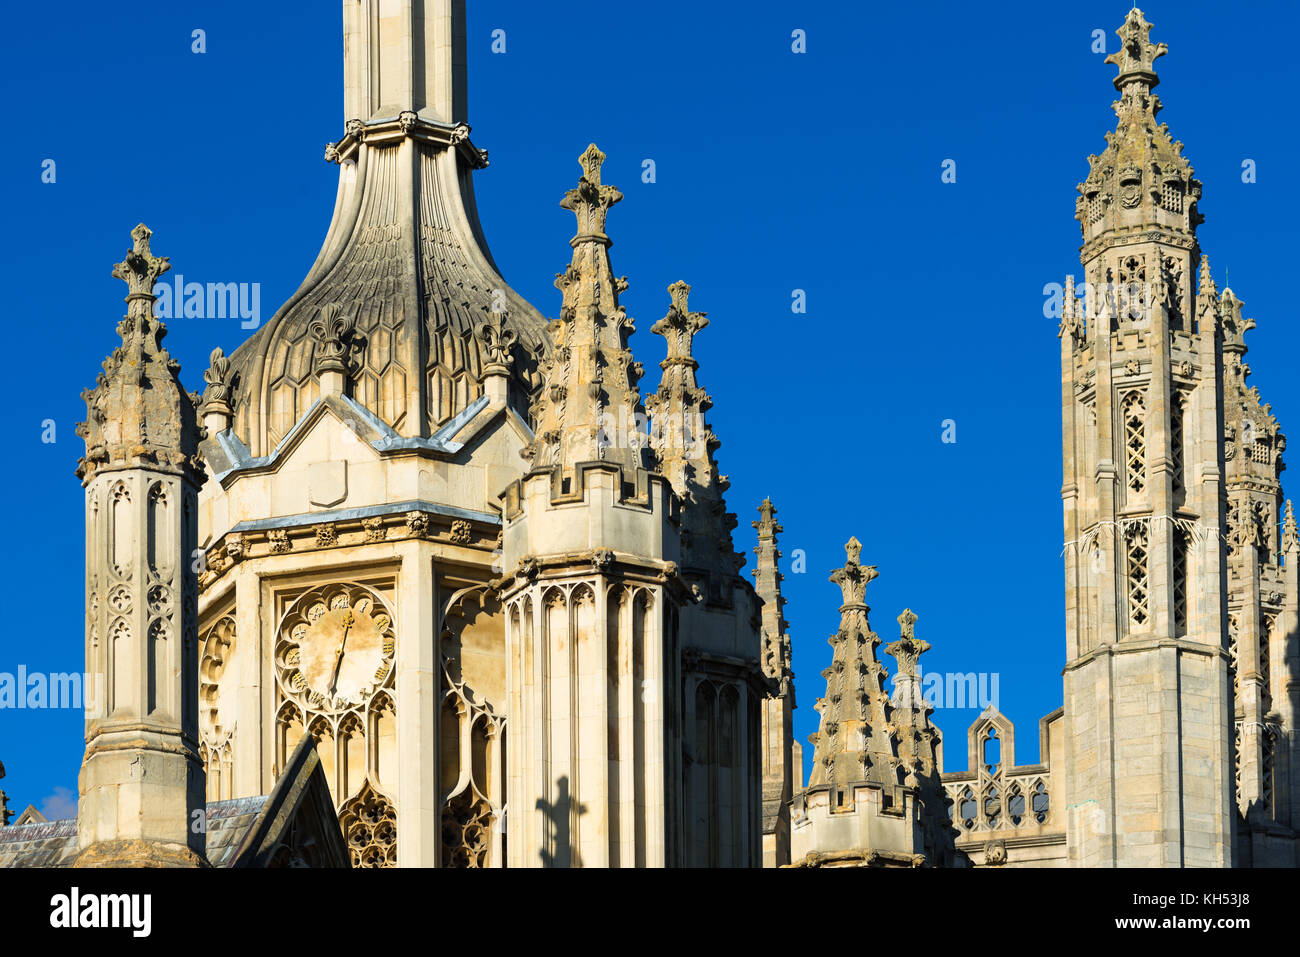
<point>858,859</point>
<point>406,124</point>
<point>318,531</point>
<point>581,565</point>
<point>726,668</point>
<point>1130,645</point>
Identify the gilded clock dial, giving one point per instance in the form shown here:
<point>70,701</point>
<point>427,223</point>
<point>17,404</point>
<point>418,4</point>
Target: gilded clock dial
<point>336,648</point>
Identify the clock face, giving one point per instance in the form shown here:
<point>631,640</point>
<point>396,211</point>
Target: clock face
<point>335,648</point>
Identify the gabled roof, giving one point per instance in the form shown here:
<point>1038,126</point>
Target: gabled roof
<point>228,456</point>
<point>31,816</point>
<point>297,825</point>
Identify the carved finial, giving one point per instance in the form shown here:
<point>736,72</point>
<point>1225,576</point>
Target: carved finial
<point>1290,534</point>
<point>216,406</point>
<point>140,270</point>
<point>498,339</point>
<point>908,649</point>
<point>767,524</point>
<point>590,201</point>
<point>906,623</point>
<point>678,328</point>
<point>853,578</point>
<point>1235,325</point>
<point>591,161</point>
<point>1137,54</point>
<point>216,397</point>
<point>334,331</point>
<point>679,294</point>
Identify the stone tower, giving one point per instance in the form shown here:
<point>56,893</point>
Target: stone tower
<point>1170,501</point>
<point>591,539</point>
<point>142,779</point>
<point>438,538</point>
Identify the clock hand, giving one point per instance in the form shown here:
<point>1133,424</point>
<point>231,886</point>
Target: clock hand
<point>338,654</point>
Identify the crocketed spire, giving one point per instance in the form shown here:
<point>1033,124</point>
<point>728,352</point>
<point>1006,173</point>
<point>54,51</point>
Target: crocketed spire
<point>1290,536</point>
<point>589,405</point>
<point>916,737</point>
<point>139,414</point>
<point>1253,438</point>
<point>918,741</point>
<point>767,582</point>
<point>1141,179</point>
<point>684,446</point>
<point>854,743</point>
<point>1207,297</point>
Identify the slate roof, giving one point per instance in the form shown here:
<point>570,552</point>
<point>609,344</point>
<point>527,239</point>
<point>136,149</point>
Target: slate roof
<point>54,843</point>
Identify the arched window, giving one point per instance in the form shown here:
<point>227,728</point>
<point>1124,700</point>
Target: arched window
<point>1135,442</point>
<point>1137,554</point>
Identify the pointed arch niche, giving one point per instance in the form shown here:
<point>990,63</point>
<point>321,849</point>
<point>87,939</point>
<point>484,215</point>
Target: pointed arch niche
<point>472,730</point>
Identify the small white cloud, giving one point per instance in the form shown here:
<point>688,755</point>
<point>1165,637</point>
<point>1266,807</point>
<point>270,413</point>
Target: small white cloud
<point>60,805</point>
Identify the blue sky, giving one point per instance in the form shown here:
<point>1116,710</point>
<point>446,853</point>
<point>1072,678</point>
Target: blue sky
<point>775,172</point>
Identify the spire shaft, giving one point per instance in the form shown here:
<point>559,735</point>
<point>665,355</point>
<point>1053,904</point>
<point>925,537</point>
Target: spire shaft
<point>767,582</point>
<point>404,55</point>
